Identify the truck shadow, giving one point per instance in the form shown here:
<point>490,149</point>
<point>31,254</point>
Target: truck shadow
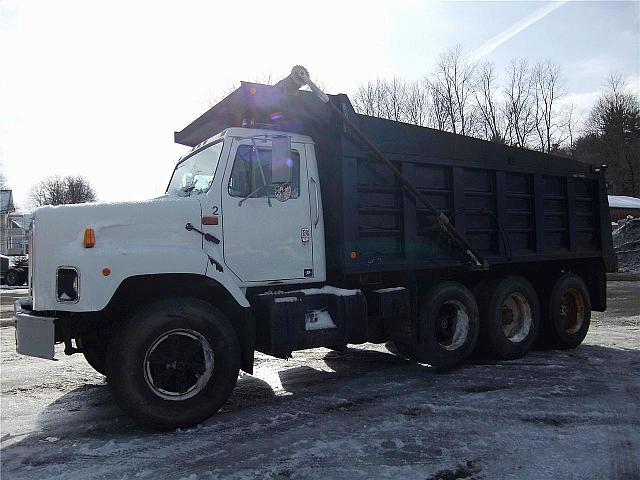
<point>90,411</point>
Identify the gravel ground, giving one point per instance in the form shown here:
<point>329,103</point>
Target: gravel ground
<point>360,414</point>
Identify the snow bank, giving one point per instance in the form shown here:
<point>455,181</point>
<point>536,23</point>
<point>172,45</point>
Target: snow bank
<point>626,243</point>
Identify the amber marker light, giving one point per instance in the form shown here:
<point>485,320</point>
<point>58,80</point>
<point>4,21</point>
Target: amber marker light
<point>106,272</point>
<point>89,238</point>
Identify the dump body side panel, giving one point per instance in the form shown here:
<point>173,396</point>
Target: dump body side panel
<point>514,205</point>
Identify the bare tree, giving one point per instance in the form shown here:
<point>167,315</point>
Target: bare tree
<point>453,84</point>
<point>519,104</point>
<point>394,99</point>
<point>417,103</point>
<point>62,191</point>
<point>438,114</point>
<point>369,99</point>
<point>548,89</point>
<point>382,98</point>
<point>491,118</point>
<point>465,98</point>
<point>571,120</point>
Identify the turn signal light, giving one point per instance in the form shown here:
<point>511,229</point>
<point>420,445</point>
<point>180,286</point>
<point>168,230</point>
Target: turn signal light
<point>89,238</point>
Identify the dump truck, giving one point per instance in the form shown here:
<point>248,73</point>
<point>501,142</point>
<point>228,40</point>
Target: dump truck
<point>295,222</point>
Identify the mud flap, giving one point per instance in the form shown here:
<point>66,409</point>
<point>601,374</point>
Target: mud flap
<point>35,335</point>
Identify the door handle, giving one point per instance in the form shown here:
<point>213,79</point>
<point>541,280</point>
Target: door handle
<point>317,219</point>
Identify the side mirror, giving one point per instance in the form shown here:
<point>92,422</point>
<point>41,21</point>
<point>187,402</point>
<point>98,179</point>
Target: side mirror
<point>281,159</point>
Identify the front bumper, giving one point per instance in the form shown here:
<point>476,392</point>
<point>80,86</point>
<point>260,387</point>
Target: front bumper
<point>35,335</point>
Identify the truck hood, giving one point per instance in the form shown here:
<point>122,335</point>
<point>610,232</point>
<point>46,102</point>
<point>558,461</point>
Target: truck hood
<point>132,238</point>
<point>159,221</point>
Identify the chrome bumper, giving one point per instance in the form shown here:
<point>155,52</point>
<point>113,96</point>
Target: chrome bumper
<point>35,336</point>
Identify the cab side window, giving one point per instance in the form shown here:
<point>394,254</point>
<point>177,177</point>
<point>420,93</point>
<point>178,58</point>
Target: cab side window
<point>251,173</point>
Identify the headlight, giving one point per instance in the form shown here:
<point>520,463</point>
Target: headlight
<point>67,284</point>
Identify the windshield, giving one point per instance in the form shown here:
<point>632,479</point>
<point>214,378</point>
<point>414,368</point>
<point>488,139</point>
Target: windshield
<point>195,173</point>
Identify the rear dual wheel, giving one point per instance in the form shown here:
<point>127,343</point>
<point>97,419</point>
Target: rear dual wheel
<point>568,314</point>
<point>509,317</point>
<point>447,327</point>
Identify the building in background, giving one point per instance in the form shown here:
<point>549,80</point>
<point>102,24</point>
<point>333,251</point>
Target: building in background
<point>620,207</point>
<point>13,227</point>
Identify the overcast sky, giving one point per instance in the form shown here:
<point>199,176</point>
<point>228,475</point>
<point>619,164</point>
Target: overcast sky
<point>98,88</point>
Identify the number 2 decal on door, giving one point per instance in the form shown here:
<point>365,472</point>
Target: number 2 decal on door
<point>215,210</point>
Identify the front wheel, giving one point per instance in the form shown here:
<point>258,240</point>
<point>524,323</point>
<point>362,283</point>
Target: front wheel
<point>97,359</point>
<point>174,364</point>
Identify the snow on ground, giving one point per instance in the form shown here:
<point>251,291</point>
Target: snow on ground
<point>364,413</point>
<point>8,296</point>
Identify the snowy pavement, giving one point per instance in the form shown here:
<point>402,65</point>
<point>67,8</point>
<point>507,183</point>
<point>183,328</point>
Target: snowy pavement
<point>8,296</point>
<point>360,414</point>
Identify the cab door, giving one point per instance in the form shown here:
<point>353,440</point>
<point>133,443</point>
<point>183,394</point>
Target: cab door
<point>266,226</point>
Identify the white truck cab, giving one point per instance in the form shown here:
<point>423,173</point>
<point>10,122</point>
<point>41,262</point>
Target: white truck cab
<point>222,188</point>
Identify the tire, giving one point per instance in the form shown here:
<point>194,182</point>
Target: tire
<point>447,327</point>
<point>568,316</point>
<point>509,317</point>
<point>97,358</point>
<point>174,363</point>
<point>95,355</point>
<point>13,278</point>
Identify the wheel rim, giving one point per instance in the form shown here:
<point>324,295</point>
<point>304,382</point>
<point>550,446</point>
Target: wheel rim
<point>516,317</point>
<point>178,364</point>
<point>452,325</point>
<point>572,311</point>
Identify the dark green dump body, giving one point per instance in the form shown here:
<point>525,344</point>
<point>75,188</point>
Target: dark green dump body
<point>514,205</point>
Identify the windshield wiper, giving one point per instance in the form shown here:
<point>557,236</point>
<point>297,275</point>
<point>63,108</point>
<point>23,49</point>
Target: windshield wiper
<point>186,190</point>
